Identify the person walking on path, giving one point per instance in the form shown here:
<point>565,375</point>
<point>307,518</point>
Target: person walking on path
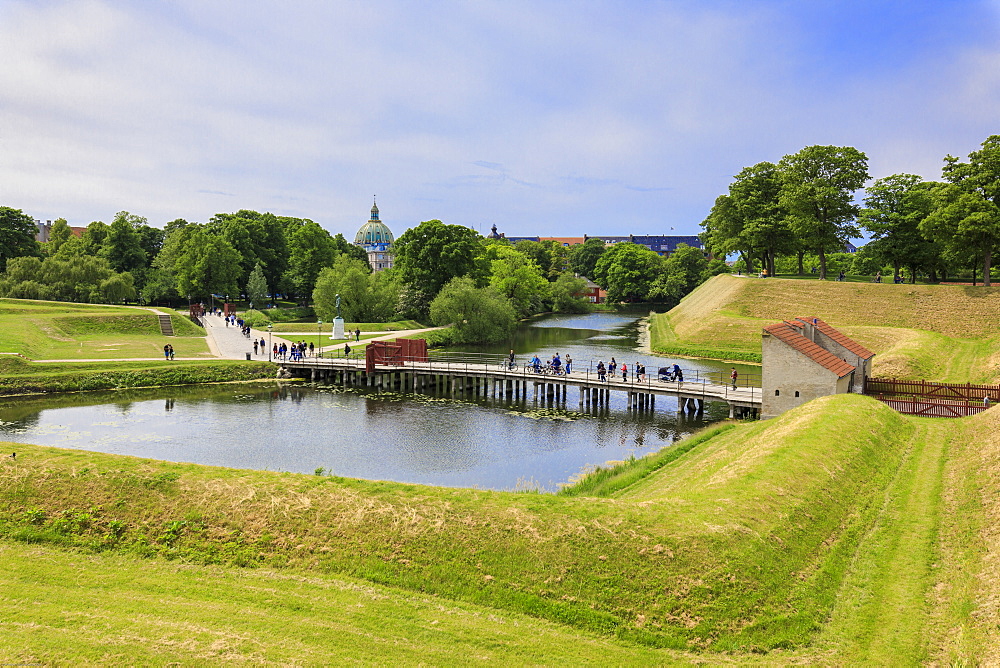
<point>357,335</point>
<point>170,349</point>
<point>734,376</point>
<point>255,346</point>
<point>166,351</point>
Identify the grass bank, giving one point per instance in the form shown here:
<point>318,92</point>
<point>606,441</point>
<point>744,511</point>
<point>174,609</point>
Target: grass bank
<point>18,376</point>
<point>60,330</point>
<point>753,538</point>
<point>934,332</point>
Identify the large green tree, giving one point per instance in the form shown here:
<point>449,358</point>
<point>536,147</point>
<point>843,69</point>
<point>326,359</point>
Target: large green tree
<point>257,291</point>
<point>207,264</point>
<point>818,185</point>
<point>364,296</point>
<point>258,238</point>
<point>122,247</point>
<point>476,315</point>
<point>583,257</point>
<point>432,253</point>
<point>751,219</point>
<point>627,272</point>
<point>515,276</point>
<point>17,235</point>
<point>58,235</point>
<point>973,211</point>
<point>894,208</point>
<point>966,225</point>
<point>311,249</point>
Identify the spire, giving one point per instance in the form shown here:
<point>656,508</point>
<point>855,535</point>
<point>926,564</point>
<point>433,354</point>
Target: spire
<point>374,209</point>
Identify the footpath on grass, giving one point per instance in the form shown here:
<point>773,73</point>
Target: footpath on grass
<point>228,342</point>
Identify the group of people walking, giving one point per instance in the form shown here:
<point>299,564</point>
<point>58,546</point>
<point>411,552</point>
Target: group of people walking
<point>613,369</point>
<point>295,352</point>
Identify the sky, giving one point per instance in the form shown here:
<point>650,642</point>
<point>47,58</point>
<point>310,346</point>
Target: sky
<point>543,118</point>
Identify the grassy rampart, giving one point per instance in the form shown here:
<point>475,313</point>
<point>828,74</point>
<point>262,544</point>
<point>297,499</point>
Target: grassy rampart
<point>746,542</point>
<point>59,330</point>
<point>18,376</point>
<point>935,332</point>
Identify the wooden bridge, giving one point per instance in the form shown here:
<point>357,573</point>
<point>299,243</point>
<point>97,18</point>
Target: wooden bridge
<point>464,375</point>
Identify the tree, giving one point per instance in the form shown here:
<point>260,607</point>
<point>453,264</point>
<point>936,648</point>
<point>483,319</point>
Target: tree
<point>364,296</point>
<point>431,254</point>
<point>58,235</point>
<point>123,245</point>
<point>567,294</point>
<point>117,288</point>
<point>311,249</point>
<point>583,257</point>
<point>967,226</point>
<point>93,238</point>
<point>818,185</point>
<point>258,238</point>
<point>476,315</point>
<point>627,271</point>
<point>975,213</point>
<point>751,219</point>
<point>519,279</point>
<point>257,287</point>
<point>894,208</point>
<point>17,235</point>
<point>207,265</point>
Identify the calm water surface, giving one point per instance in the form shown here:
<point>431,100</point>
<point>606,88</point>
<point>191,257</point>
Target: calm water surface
<point>483,442</point>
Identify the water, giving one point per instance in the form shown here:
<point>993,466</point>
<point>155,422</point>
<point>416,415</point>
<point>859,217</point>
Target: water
<point>483,442</point>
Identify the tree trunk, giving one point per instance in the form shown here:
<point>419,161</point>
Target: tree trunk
<point>895,271</point>
<point>986,266</point>
<point>802,271</point>
<point>822,264</point>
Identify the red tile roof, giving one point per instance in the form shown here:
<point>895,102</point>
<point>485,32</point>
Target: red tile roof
<point>840,338</point>
<point>788,332</point>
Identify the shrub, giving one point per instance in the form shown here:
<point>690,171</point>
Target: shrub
<point>256,319</point>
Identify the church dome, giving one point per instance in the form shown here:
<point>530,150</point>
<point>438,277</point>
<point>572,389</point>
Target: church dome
<point>373,232</point>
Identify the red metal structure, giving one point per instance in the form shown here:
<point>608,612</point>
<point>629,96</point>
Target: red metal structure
<point>397,353</point>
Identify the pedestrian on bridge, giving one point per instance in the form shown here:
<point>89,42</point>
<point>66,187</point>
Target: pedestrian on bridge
<point>612,366</point>
<point>569,364</point>
<point>734,376</point>
<point>602,373</point>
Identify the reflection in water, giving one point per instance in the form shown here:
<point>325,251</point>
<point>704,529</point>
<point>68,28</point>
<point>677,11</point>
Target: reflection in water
<point>433,438</point>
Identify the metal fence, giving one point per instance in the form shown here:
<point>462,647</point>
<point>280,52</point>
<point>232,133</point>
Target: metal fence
<point>714,385</point>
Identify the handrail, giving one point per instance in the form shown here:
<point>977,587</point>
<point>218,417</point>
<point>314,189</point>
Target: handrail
<point>693,388</point>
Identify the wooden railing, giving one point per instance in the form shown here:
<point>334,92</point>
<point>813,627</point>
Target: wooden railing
<point>893,387</point>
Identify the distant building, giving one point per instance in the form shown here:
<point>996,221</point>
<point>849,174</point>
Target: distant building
<point>806,358</point>
<point>659,244</point>
<point>43,232</point>
<point>376,238</point>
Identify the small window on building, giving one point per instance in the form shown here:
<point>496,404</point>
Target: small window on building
<point>777,393</point>
<point>796,393</point>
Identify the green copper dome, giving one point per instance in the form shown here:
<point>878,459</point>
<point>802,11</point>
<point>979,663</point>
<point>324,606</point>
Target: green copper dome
<point>373,232</point>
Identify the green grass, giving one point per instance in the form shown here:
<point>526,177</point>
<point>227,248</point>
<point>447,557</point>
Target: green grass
<point>18,376</point>
<point>934,332</point>
<point>60,330</point>
<point>750,538</point>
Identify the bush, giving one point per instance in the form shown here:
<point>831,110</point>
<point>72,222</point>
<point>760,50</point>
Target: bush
<point>256,319</point>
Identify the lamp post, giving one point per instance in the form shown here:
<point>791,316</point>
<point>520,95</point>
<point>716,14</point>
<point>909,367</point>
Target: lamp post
<point>319,342</point>
<point>269,348</point>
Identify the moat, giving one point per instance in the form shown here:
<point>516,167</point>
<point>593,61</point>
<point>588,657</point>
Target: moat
<point>491,443</point>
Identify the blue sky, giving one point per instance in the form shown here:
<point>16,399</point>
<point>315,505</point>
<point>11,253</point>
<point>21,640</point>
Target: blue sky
<point>551,118</point>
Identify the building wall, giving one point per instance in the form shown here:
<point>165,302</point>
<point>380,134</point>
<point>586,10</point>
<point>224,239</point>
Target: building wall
<point>785,372</point>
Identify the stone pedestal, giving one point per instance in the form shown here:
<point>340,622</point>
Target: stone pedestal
<point>338,329</point>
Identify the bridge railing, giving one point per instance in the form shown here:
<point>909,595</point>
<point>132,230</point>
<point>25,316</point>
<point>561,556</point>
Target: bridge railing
<point>695,384</point>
